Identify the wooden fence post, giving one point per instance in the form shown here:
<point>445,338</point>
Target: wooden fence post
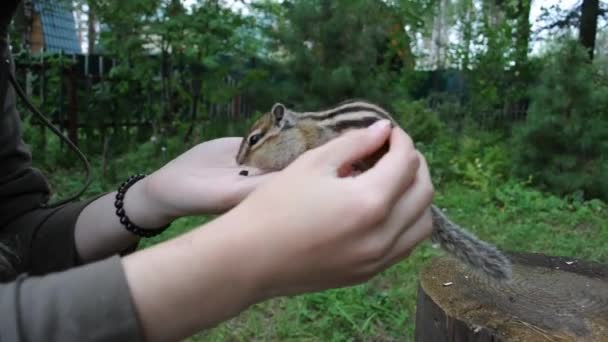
<point>73,105</point>
<point>43,90</point>
<point>548,299</point>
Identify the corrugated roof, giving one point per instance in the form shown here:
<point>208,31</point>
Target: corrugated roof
<point>58,26</point>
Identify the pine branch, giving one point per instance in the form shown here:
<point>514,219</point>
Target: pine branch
<point>572,18</point>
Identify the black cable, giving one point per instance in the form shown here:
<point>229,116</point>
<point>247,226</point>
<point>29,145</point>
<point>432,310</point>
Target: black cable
<point>55,130</point>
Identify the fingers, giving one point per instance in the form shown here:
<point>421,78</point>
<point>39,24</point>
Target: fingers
<point>412,203</point>
<point>354,145</point>
<point>414,206</point>
<point>409,239</point>
<point>405,224</point>
<point>394,172</point>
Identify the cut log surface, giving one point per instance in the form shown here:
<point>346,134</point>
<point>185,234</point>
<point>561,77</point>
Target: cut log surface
<point>548,299</point>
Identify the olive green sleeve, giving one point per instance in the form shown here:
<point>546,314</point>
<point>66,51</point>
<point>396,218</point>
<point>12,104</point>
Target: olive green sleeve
<point>87,303</point>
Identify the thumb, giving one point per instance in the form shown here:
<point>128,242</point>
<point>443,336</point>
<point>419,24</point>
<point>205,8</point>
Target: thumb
<point>355,145</point>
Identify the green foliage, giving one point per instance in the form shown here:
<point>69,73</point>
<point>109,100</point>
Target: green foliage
<point>564,142</point>
<point>334,50</point>
<point>492,53</point>
<point>172,61</point>
<point>171,66</point>
<point>422,124</point>
<point>481,163</point>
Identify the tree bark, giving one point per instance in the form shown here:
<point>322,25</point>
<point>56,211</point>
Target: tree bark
<point>73,106</point>
<point>523,36</point>
<point>548,299</point>
<point>590,11</point>
<point>195,88</point>
<point>91,32</point>
<point>467,31</point>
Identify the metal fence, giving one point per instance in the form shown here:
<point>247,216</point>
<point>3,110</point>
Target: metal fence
<point>67,84</point>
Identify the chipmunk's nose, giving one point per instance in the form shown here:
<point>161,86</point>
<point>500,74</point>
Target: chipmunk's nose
<point>240,159</point>
<point>240,156</point>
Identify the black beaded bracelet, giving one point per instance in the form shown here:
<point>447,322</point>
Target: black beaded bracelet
<point>124,219</point>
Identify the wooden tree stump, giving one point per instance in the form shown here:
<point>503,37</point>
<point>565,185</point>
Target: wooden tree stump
<point>549,299</point>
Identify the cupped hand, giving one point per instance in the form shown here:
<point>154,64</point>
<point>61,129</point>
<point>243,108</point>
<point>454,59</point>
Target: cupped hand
<point>203,180</point>
<point>310,228</point>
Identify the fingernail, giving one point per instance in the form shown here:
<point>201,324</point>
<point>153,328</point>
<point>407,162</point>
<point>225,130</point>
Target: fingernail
<point>379,125</point>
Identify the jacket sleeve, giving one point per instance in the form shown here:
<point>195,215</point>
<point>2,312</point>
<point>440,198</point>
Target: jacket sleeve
<point>88,303</point>
<point>42,237</point>
<point>22,187</point>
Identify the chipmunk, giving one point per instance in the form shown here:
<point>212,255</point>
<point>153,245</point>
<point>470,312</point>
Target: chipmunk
<point>281,135</point>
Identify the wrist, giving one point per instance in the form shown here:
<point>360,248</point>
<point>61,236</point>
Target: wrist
<point>143,209</point>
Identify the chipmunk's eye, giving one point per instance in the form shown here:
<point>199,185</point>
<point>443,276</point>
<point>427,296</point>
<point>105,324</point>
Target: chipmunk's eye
<point>254,139</point>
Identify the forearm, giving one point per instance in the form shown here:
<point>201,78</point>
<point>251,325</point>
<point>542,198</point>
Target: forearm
<point>99,233</point>
<point>203,277</point>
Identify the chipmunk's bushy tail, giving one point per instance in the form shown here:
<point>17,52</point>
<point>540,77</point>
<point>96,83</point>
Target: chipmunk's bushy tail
<point>467,248</point>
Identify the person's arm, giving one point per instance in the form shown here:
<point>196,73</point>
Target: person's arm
<point>203,180</point>
<point>329,232</point>
<point>98,232</point>
<point>313,241</point>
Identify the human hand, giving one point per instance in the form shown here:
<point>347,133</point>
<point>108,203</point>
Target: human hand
<point>203,180</point>
<point>310,229</point>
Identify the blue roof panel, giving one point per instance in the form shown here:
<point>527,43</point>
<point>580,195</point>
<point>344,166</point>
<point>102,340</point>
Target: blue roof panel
<point>58,26</point>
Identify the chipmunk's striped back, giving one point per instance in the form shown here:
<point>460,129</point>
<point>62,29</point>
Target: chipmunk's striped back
<point>281,135</point>
<point>348,115</point>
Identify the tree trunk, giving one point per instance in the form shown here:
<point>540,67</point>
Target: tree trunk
<point>327,42</point>
<point>590,11</point>
<point>439,35</point>
<point>72,124</point>
<point>166,86</point>
<point>92,33</point>
<point>467,13</point>
<point>195,88</point>
<point>523,36</point>
<point>548,299</point>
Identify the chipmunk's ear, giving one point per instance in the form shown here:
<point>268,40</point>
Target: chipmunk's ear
<point>278,111</point>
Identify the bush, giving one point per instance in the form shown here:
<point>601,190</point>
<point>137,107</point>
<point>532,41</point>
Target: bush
<point>422,124</point>
<point>481,162</point>
<point>564,142</point>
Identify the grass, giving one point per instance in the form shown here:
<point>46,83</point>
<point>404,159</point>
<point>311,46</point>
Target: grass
<point>508,213</point>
